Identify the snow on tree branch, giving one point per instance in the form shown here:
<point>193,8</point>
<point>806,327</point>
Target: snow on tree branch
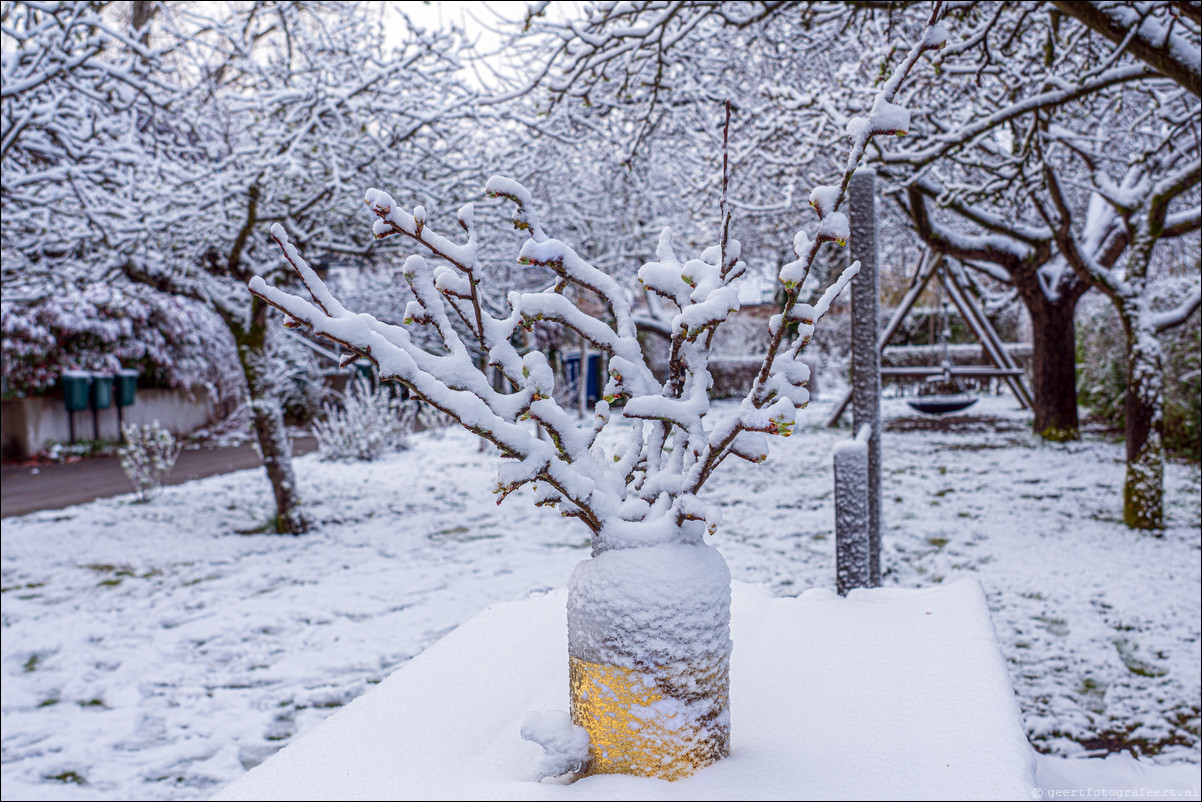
<point>1152,33</point>
<point>1175,317</point>
<point>638,484</point>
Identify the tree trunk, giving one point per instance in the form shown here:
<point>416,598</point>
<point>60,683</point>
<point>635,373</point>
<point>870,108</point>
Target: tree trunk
<point>649,659</point>
<point>1054,346</point>
<point>143,13</point>
<point>1143,487</point>
<point>268,418</point>
<point>1053,362</point>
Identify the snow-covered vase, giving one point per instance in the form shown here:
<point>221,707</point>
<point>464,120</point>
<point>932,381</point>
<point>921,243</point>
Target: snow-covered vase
<point>649,659</point>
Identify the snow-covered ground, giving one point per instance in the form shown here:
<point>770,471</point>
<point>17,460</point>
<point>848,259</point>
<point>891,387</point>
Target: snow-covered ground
<point>157,650</point>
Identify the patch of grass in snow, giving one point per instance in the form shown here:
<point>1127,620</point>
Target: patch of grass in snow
<point>208,578</point>
<point>282,727</point>
<point>1134,664</point>
<point>67,777</point>
<point>1093,695</point>
<point>119,573</point>
<point>31,664</point>
<point>461,534</point>
<point>49,702</point>
<point>1008,443</point>
<point>26,586</point>
<point>268,527</point>
<point>1184,732</point>
<point>1054,626</point>
<point>576,544</point>
<point>93,703</point>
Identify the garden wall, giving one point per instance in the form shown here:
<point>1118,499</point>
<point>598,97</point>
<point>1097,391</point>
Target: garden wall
<point>29,424</point>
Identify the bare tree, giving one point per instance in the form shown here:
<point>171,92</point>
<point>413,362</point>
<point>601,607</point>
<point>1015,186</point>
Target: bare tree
<point>633,476</point>
<point>234,117</point>
<point>1039,110</point>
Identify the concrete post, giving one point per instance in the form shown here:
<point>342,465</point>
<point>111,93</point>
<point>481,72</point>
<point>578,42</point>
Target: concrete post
<point>852,544</point>
<point>865,356</point>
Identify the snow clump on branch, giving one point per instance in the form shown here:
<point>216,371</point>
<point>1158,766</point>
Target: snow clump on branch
<point>640,489</point>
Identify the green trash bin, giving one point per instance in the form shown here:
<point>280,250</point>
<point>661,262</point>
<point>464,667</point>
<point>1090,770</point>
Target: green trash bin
<point>366,371</point>
<point>102,390</point>
<point>126,387</point>
<point>77,386</point>
<point>101,398</point>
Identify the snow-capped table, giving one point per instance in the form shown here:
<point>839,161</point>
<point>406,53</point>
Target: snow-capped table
<point>884,694</point>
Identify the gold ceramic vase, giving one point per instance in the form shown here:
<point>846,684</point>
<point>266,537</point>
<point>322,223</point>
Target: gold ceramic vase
<point>649,659</point>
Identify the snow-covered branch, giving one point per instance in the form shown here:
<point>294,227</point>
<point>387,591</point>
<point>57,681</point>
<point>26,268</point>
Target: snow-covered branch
<point>1175,317</point>
<point>1147,33</point>
<point>639,486</point>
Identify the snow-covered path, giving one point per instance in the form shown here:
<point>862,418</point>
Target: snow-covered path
<point>155,651</point>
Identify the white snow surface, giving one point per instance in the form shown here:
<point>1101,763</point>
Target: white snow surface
<point>565,745</point>
<point>671,602</point>
<point>156,651</point>
<point>930,717</point>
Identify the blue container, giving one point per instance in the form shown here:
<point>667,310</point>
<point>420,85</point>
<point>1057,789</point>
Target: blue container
<point>593,385</point>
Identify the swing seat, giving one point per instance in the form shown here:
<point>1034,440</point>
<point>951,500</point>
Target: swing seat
<point>941,404</point>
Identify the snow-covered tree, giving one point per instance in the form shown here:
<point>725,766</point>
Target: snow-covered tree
<point>645,76</point>
<point>1077,158</point>
<point>1088,163</point>
<point>171,342</point>
<point>83,95</point>
<point>1168,172</point>
<point>649,613</point>
<point>156,142</point>
<point>286,105</point>
<point>1042,104</point>
<point>1039,111</point>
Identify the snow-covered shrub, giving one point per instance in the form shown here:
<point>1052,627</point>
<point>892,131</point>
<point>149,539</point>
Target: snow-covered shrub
<point>147,457</point>
<point>369,422</point>
<point>170,341</point>
<point>433,419</point>
<point>54,451</point>
<point>649,615</point>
